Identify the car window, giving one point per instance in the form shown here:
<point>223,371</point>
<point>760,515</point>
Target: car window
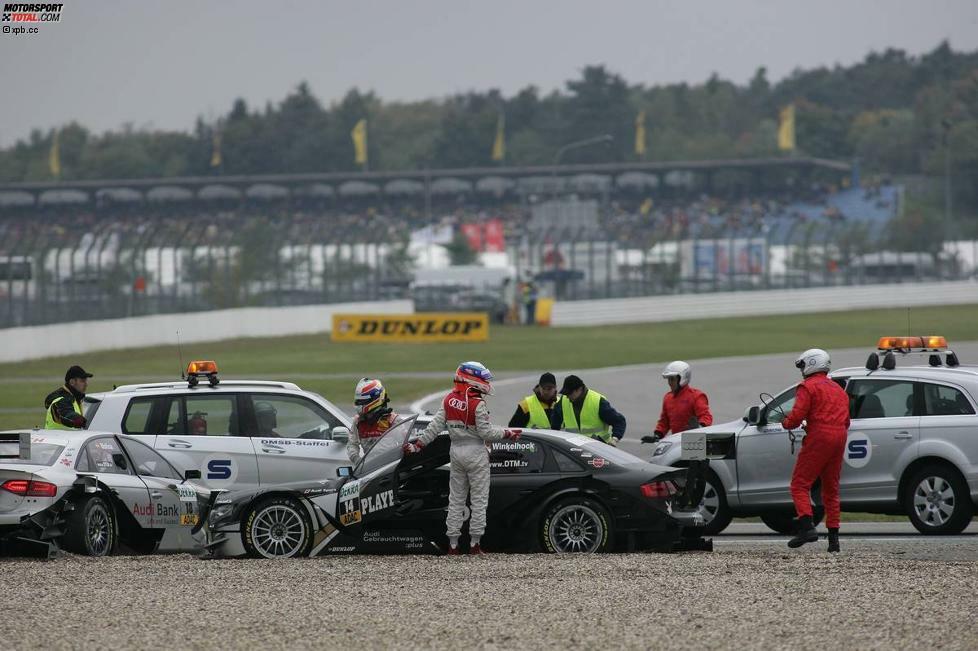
<point>148,462</point>
<point>507,457</point>
<point>137,418</point>
<point>565,463</point>
<point>880,398</point>
<point>105,456</point>
<point>292,417</point>
<point>386,450</point>
<point>42,454</point>
<point>213,415</point>
<point>781,406</point>
<point>940,400</point>
<point>90,408</point>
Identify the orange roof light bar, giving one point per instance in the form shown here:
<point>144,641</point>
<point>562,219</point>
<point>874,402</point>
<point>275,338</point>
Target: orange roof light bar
<point>934,342</point>
<point>891,343</point>
<point>201,367</point>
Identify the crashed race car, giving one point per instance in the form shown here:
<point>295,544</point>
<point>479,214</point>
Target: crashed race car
<point>551,491</point>
<point>92,493</point>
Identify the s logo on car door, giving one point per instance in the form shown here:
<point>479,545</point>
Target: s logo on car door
<point>859,449</point>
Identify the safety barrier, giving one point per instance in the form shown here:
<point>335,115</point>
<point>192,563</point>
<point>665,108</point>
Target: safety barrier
<point>34,342</point>
<point>755,303</point>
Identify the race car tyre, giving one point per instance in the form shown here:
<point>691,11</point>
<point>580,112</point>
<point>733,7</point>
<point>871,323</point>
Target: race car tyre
<point>937,501</point>
<point>576,525</point>
<point>713,509</point>
<point>784,522</point>
<point>91,528</point>
<point>276,528</point>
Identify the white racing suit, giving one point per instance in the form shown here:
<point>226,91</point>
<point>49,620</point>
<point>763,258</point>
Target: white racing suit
<point>466,416</point>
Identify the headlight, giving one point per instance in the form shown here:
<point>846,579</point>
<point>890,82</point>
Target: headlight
<point>662,448</point>
<point>220,511</point>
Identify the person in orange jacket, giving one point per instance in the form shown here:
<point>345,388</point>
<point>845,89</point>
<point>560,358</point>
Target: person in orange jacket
<point>683,407</point>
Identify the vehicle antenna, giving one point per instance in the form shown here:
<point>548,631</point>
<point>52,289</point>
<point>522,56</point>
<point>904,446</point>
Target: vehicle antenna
<point>909,329</point>
<point>180,357</point>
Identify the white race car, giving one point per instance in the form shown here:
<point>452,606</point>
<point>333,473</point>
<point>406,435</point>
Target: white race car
<point>89,492</point>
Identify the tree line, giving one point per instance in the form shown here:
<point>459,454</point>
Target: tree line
<point>894,112</point>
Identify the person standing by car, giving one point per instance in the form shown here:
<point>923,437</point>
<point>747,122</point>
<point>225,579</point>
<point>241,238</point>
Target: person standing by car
<point>824,406</point>
<point>529,302</point>
<point>534,410</point>
<point>683,407</point>
<point>64,405</point>
<point>374,417</point>
<point>465,414</point>
<point>584,410</point>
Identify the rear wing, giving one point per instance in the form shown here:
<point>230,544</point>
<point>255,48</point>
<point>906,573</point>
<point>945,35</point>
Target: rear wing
<point>21,439</point>
<point>701,446</point>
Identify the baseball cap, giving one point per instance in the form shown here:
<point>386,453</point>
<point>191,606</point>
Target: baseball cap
<point>571,383</point>
<point>547,380</point>
<point>76,372</point>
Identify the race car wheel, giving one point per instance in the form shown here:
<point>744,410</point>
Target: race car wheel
<point>576,524</point>
<point>277,528</point>
<point>937,501</point>
<point>91,528</point>
<point>712,508</point>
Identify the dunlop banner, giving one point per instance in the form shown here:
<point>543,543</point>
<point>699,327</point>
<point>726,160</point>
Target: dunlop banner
<point>424,327</point>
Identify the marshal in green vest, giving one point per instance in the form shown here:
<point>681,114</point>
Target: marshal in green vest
<point>590,424</point>
<point>51,423</point>
<point>537,413</point>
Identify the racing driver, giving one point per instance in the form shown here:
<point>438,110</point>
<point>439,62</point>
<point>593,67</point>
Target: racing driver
<point>374,417</point>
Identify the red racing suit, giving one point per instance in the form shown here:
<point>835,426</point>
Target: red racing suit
<point>685,409</point>
<point>366,433</point>
<point>825,406</point>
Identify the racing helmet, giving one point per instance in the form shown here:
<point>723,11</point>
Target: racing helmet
<point>679,369</point>
<point>370,397</point>
<point>813,360</point>
<point>475,375</point>
<point>266,415</point>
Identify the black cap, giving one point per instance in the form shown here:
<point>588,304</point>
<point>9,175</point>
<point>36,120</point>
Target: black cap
<point>547,380</point>
<point>76,372</point>
<point>571,384</point>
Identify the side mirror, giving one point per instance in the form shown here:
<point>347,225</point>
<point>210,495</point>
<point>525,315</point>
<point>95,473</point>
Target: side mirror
<point>119,460</point>
<point>340,434</point>
<point>344,471</point>
<point>191,474</point>
<point>753,415</point>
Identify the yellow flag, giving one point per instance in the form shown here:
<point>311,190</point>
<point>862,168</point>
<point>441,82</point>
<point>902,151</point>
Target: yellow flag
<point>640,133</point>
<point>216,158</point>
<point>499,144</point>
<point>786,129</point>
<point>359,135</point>
<point>54,156</point>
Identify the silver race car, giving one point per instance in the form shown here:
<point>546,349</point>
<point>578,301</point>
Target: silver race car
<point>91,492</point>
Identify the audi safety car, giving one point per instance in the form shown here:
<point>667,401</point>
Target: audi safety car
<point>551,491</point>
<point>90,492</point>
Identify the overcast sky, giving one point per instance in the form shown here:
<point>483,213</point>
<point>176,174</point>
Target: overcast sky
<point>160,64</point>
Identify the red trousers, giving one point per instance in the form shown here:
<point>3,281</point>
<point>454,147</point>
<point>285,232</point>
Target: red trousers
<point>820,458</point>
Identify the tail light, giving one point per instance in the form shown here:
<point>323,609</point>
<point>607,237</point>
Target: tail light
<point>29,488</point>
<point>659,490</point>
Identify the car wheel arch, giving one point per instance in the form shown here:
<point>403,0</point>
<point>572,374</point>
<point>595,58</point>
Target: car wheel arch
<point>920,463</point>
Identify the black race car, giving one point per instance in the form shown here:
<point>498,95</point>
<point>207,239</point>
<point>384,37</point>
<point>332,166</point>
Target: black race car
<point>551,491</point>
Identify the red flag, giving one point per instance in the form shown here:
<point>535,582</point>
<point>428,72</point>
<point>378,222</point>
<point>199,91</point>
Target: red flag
<point>473,233</point>
<point>495,236</point>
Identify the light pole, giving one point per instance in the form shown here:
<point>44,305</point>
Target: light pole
<point>946,123</point>
<point>578,144</point>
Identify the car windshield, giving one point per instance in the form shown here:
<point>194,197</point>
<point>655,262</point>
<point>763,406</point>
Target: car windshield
<point>387,449</point>
<point>42,454</point>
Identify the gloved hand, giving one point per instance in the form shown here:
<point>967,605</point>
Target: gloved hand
<point>658,436</point>
<point>412,447</point>
<point>613,442</point>
<point>512,434</point>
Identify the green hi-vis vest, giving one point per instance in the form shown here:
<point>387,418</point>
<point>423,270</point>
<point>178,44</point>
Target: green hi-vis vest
<point>538,415</point>
<point>590,424</point>
<point>50,423</point>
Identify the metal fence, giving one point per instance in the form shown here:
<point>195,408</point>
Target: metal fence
<point>113,270</point>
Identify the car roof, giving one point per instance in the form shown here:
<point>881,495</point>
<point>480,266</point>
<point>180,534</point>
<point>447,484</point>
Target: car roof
<point>182,386</point>
<point>968,374</point>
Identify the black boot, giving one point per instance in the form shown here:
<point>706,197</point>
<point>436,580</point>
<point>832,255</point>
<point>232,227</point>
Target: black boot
<point>833,540</point>
<point>805,532</point>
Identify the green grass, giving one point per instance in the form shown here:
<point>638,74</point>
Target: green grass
<point>510,348</point>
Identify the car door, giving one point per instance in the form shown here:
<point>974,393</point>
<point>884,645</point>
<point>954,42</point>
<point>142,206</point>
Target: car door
<point>175,508</point>
<point>883,435</point>
<point>291,436</point>
<point>949,417</point>
<point>203,430</point>
<point>105,458</point>
<point>764,456</point>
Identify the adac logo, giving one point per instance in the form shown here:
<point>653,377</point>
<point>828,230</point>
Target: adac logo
<point>859,450</point>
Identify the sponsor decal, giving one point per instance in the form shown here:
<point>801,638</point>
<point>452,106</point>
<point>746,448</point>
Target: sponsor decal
<point>297,442</point>
<point>514,446</point>
<point>377,502</point>
<point>142,509</point>
<point>219,470</point>
<point>427,327</point>
<point>509,463</point>
<point>350,490</point>
<point>576,450</point>
<point>461,405</point>
<point>167,511</point>
<point>186,493</point>
<point>344,548</point>
<point>349,503</point>
<point>859,449</point>
<point>599,462</point>
<point>586,455</point>
<point>189,519</point>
